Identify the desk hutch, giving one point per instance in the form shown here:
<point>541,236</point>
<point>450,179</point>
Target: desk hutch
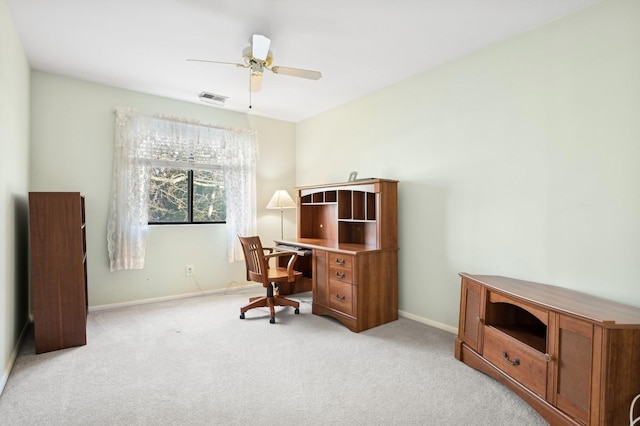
<point>573,357</point>
<point>348,245</point>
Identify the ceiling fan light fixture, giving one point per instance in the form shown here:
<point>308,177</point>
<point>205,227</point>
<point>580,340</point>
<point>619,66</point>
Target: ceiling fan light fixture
<point>255,83</point>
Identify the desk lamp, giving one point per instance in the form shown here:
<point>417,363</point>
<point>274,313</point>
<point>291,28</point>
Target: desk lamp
<point>281,200</point>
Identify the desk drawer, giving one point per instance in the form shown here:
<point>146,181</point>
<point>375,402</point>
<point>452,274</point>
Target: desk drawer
<point>341,274</point>
<point>341,296</point>
<point>341,260</point>
<point>516,359</point>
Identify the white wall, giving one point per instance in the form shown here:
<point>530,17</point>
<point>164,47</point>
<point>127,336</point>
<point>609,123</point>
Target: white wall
<point>522,160</point>
<point>72,150</point>
<point>14,173</point>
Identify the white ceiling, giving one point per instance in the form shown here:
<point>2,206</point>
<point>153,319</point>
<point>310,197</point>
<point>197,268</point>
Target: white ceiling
<point>360,46</point>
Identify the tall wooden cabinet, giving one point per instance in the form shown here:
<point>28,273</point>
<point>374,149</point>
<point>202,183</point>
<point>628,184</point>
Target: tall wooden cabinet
<point>57,234</point>
<point>348,239</point>
<point>575,358</point>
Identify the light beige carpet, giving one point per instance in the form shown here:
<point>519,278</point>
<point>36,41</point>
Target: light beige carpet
<point>194,362</point>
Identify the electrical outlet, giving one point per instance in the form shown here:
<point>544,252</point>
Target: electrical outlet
<point>190,270</point>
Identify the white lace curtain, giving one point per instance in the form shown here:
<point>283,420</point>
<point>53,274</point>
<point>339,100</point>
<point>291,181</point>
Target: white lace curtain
<point>142,142</point>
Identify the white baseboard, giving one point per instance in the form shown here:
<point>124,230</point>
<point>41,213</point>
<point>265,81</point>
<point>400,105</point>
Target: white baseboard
<point>12,358</point>
<point>439,325</point>
<point>228,289</point>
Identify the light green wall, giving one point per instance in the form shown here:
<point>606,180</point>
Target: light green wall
<point>14,173</point>
<point>522,160</point>
<point>72,150</point>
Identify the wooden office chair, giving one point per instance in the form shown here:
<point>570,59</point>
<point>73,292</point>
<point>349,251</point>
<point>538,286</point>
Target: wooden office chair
<point>257,262</point>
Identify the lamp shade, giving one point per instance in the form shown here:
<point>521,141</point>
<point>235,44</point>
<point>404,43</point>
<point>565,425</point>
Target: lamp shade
<point>281,200</point>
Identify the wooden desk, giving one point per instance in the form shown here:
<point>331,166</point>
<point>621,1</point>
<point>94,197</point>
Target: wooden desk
<point>352,283</point>
<point>351,231</point>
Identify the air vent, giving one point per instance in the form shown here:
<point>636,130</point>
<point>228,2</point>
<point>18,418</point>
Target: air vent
<point>212,98</point>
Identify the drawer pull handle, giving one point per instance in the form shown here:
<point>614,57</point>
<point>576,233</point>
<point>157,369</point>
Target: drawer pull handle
<point>341,275</point>
<point>516,361</point>
<point>339,261</point>
<point>340,298</point>
<point>547,357</point>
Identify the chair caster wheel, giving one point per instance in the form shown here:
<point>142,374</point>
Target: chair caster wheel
<point>297,311</point>
<point>242,315</point>
<point>272,320</point>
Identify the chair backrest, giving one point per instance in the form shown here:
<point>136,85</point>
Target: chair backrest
<point>255,261</point>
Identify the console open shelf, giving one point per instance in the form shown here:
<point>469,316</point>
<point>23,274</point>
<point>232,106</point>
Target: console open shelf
<point>518,323</point>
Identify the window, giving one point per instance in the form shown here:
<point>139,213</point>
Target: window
<point>186,196</point>
<point>146,146</point>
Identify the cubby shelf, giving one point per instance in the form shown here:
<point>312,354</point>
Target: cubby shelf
<point>346,213</point>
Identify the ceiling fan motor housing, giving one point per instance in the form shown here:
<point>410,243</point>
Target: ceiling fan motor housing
<point>247,55</point>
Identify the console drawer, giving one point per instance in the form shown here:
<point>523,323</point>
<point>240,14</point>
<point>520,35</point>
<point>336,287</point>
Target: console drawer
<point>341,296</point>
<point>520,361</point>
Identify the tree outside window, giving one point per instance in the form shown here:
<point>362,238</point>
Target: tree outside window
<point>179,196</point>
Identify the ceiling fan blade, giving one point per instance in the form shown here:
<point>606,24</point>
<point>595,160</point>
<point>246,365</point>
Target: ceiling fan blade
<point>217,62</point>
<point>255,83</point>
<point>297,72</point>
<point>260,45</point>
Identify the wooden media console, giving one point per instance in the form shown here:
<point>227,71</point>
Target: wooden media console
<point>574,358</point>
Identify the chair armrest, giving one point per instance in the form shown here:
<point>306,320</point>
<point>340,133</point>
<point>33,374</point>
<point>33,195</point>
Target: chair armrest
<point>292,260</point>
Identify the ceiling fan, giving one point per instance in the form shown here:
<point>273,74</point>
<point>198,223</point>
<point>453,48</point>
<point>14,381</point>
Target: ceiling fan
<point>257,57</point>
